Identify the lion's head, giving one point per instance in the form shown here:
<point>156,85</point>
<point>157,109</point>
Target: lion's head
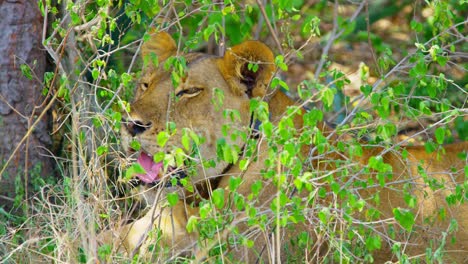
<point>190,104</point>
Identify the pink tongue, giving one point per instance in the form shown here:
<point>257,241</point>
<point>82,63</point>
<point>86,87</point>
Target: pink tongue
<point>152,169</point>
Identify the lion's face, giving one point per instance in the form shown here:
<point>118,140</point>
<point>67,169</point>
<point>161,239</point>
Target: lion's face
<point>190,104</point>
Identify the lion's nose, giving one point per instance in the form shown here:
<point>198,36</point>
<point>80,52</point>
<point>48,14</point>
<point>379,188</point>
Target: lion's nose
<point>137,127</point>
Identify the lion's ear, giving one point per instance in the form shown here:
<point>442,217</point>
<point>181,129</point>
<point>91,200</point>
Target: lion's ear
<point>161,44</point>
<point>242,78</point>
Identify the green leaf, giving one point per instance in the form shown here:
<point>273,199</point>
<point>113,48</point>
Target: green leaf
<point>116,117</point>
<point>252,212</point>
<point>104,250</point>
<point>296,17</point>
<point>136,168</point>
<point>420,46</point>
<point>375,98</point>
<point>335,187</point>
<point>234,183</point>
<point>430,146</point>
<point>125,78</point>
<point>375,162</point>
<point>26,70</point>
<point>355,150</point>
<point>312,117</point>
<point>227,10</point>
<point>192,224</point>
<point>419,70</point>
<point>95,73</point>
<point>440,135</point>
<point>423,107</point>
<point>172,199</point>
<point>381,179</point>
<point>299,183</point>
<point>256,187</point>
<point>75,18</point>
<point>205,210</point>
<point>253,67</point>
<point>280,200</point>
<point>404,154</point>
<point>366,89</point>
<point>441,60</point>
<point>431,90</point>
<point>311,26</point>
<point>239,201</point>
<point>159,156</point>
<point>243,164</point>
<point>226,152</point>
<point>41,8</point>
<point>168,161</point>
<point>234,154</point>
<point>277,81</point>
<point>327,96</point>
<point>373,242</point>
<point>386,131</point>
<point>194,137</point>
<point>102,150</point>
<point>324,215</point>
<point>185,140</point>
<point>267,129</point>
<point>410,200</point>
<point>416,26</point>
<point>462,127</point>
<point>404,217</point>
<point>135,145</point>
<point>208,31</point>
<point>162,138</point>
<point>218,198</point>
<point>179,157</point>
<point>322,192</point>
<point>279,61</point>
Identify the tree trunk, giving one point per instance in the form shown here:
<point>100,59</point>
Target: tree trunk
<point>21,101</point>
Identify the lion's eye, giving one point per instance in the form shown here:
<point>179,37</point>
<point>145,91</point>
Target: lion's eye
<point>190,92</point>
<point>144,86</point>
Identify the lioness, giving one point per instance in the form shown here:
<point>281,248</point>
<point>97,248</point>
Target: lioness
<point>190,105</point>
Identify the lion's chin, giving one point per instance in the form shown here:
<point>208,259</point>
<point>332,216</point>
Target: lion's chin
<point>152,168</point>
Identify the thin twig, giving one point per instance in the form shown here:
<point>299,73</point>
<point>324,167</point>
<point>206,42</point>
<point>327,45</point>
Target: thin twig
<point>334,35</point>
<point>360,99</point>
<point>369,41</point>
<point>272,31</point>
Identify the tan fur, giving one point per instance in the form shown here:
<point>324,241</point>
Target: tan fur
<point>198,113</point>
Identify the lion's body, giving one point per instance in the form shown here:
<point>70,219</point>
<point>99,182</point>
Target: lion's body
<point>194,109</point>
<point>447,169</point>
